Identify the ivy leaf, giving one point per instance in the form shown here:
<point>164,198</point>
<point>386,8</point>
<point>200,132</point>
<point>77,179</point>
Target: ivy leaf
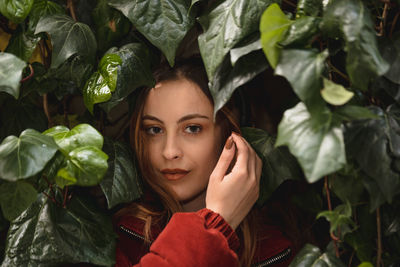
<point>104,81</point>
<point>319,151</point>
<point>79,233</point>
<point>301,32</point>
<point>81,135</point>
<point>391,53</point>
<point>339,217</point>
<point>68,38</point>
<point>311,255</point>
<point>251,45</point>
<point>335,94</point>
<point>350,112</point>
<point>373,158</point>
<point>42,8</point>
<point>11,68</point>
<point>227,78</point>
<point>303,69</point>
<point>16,197</point>
<point>22,45</point>
<point>16,10</point>
<point>85,166</point>
<point>25,156</point>
<point>121,183</point>
<point>278,164</point>
<point>110,24</point>
<point>163,23</point>
<point>353,20</point>
<point>309,8</point>
<point>134,72</point>
<point>226,25</point>
<point>273,26</point>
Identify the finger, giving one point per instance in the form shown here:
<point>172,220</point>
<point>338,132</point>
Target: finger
<point>225,159</point>
<point>242,154</point>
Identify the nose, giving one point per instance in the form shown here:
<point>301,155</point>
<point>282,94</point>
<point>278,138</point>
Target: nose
<point>171,149</point>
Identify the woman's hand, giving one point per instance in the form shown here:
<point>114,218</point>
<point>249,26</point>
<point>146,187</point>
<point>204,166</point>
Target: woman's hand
<point>232,195</point>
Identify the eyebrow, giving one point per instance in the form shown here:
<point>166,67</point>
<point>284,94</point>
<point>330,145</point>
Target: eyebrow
<point>184,118</point>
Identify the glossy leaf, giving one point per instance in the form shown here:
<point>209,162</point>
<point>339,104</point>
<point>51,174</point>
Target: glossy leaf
<point>224,26</point>
<point>16,197</point>
<point>273,26</point>
<point>303,69</point>
<point>227,79</point>
<point>339,217</point>
<point>163,23</point>
<point>347,186</point>
<point>102,83</point>
<point>373,158</point>
<point>353,20</point>
<point>80,135</point>
<point>309,7</point>
<point>335,94</point>
<point>11,68</point>
<point>47,235</point>
<point>319,151</point>
<point>85,166</point>
<point>311,255</point>
<point>245,49</point>
<point>121,183</point>
<point>16,10</point>
<point>25,156</point>
<point>42,8</point>
<point>301,32</point>
<point>22,45</point>
<point>134,72</point>
<point>350,112</point>
<point>278,164</point>
<point>111,25</point>
<point>68,38</point>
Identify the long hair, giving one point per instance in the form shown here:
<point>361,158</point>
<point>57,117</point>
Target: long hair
<point>164,202</point>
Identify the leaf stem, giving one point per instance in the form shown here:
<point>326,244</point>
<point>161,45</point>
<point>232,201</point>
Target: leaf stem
<point>328,198</point>
<point>379,238</point>
<point>289,3</point>
<point>46,110</point>
<point>70,6</point>
<point>341,74</point>
<point>383,20</point>
<point>65,197</point>
<point>396,17</point>
<point>50,197</point>
<point>30,75</point>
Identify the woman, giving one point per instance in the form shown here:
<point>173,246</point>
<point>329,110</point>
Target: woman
<point>201,179</point>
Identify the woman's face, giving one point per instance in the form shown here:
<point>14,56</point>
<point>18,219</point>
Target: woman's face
<point>182,141</point>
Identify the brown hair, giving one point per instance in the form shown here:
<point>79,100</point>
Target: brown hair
<point>166,203</point>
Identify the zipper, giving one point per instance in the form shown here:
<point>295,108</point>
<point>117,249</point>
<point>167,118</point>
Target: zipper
<point>279,257</point>
<point>130,232</point>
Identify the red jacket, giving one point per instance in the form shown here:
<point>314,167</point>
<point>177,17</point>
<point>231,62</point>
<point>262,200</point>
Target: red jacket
<point>201,238</point>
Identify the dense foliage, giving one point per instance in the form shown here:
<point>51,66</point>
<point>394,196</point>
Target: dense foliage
<point>70,71</point>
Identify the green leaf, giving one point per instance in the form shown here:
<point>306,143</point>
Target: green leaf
<point>16,10</point>
<point>104,81</point>
<point>85,166</point>
<point>42,8</point>
<point>319,151</point>
<point>163,23</point>
<point>110,24</point>
<point>339,217</point>
<point>68,38</point>
<point>366,264</point>
<point>303,69</point>
<point>347,186</point>
<point>25,156</point>
<point>79,233</point>
<point>309,8</point>
<point>227,78</point>
<point>80,135</point>
<point>15,198</point>
<point>11,68</point>
<point>353,20</point>
<point>224,26</point>
<point>367,143</point>
<point>251,45</point>
<point>278,164</point>
<point>335,94</point>
<point>273,26</point>
<point>134,72</point>
<point>22,45</point>
<point>121,183</point>
<point>301,32</point>
<point>350,112</point>
<point>311,255</point>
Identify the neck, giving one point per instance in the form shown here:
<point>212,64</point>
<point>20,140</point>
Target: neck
<point>196,203</point>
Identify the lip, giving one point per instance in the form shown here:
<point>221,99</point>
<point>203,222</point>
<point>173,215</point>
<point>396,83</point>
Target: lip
<point>174,174</point>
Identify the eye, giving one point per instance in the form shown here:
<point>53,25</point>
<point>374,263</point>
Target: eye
<point>193,129</point>
<point>153,130</point>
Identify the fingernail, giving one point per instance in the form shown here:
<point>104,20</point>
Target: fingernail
<point>229,143</point>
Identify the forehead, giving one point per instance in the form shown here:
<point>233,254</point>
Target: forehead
<point>177,97</point>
